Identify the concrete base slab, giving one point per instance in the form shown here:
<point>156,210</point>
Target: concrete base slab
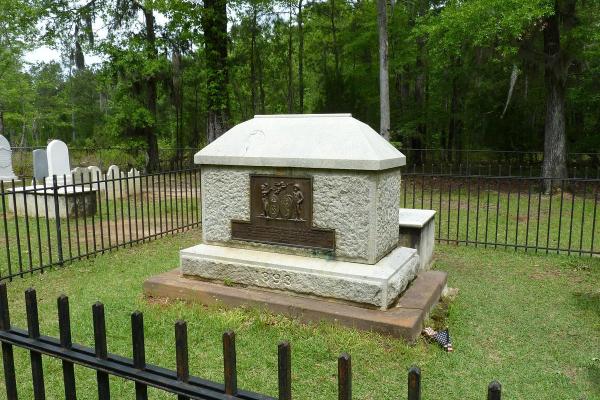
<point>363,284</point>
<point>404,320</point>
<point>72,202</point>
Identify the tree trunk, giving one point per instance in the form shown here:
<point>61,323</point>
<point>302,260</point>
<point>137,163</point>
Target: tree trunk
<point>420,90</point>
<point>300,58</point>
<point>384,83</point>
<point>214,23</point>
<point>253,79</point>
<point>196,116</point>
<point>261,85</point>
<point>555,77</point>
<point>1,121</point>
<point>421,133</point>
<point>455,126</point>
<point>178,101</point>
<point>151,94</point>
<point>336,51</point>
<point>290,77</point>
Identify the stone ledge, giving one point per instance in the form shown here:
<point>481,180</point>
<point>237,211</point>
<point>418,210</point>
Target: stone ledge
<point>376,285</point>
<point>416,230</point>
<point>413,218</point>
<point>405,320</point>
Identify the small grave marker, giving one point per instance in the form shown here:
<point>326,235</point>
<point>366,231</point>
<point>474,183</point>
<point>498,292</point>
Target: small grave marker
<point>40,164</point>
<point>6,169</point>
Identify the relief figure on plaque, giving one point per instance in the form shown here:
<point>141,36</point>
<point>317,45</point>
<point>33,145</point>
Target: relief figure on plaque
<point>265,190</point>
<point>281,201</point>
<point>298,200</point>
<point>281,214</point>
<point>273,209</point>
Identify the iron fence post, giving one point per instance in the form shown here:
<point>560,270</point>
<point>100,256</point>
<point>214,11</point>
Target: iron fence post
<point>57,219</point>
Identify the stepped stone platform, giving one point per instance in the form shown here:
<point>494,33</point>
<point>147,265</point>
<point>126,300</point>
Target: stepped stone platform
<point>375,285</point>
<point>404,319</point>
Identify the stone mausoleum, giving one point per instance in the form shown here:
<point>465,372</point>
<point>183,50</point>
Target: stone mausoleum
<point>302,208</point>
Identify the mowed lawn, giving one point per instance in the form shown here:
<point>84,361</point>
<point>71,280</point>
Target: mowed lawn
<point>139,216</point>
<point>489,215</point>
<point>530,321</point>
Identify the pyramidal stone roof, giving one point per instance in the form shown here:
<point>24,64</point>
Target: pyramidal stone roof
<point>321,141</point>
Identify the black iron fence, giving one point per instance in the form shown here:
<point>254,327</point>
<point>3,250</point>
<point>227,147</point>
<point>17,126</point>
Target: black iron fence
<point>499,168</point>
<point>465,157</point>
<point>527,213</point>
<point>170,158</point>
<point>135,369</point>
<point>68,218</point>
<point>467,162</point>
<point>50,223</point>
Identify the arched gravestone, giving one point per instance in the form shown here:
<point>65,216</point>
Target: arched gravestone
<point>113,174</point>
<point>6,171</point>
<point>58,162</point>
<point>40,164</point>
<point>58,158</point>
<point>96,176</point>
<point>134,180</point>
<point>80,175</point>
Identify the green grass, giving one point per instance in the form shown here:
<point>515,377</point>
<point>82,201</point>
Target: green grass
<point>531,322</point>
<point>116,222</point>
<point>506,218</point>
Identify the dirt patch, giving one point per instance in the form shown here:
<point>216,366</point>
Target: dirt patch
<point>115,233</point>
<point>545,274</point>
<point>162,302</point>
<point>438,318</point>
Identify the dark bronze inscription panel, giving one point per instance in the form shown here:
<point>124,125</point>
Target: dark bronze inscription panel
<point>281,213</point>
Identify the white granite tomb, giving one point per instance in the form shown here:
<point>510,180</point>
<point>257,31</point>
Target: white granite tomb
<point>304,204</point>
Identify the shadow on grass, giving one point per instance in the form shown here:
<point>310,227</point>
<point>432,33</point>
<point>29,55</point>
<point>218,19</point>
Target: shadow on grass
<point>593,375</point>
<point>589,301</point>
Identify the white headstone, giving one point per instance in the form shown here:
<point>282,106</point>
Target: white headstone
<point>80,175</point>
<point>112,184</point>
<point>58,158</point>
<point>58,162</point>
<point>134,181</point>
<point>95,173</point>
<point>113,172</point>
<point>6,171</point>
<point>96,176</point>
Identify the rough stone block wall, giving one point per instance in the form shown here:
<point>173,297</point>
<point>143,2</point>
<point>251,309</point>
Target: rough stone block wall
<point>388,202</point>
<point>362,207</point>
<point>225,196</point>
<point>342,202</point>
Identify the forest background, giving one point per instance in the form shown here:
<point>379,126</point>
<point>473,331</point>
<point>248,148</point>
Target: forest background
<point>463,74</point>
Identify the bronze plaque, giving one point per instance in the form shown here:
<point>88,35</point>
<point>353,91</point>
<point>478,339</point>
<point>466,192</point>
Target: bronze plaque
<point>281,213</point>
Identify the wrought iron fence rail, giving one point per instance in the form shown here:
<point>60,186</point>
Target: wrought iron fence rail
<point>179,381</point>
<point>47,225</point>
<point>547,250</point>
<point>555,215</point>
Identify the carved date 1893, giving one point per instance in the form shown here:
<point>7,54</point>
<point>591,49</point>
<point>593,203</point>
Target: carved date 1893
<point>276,279</point>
